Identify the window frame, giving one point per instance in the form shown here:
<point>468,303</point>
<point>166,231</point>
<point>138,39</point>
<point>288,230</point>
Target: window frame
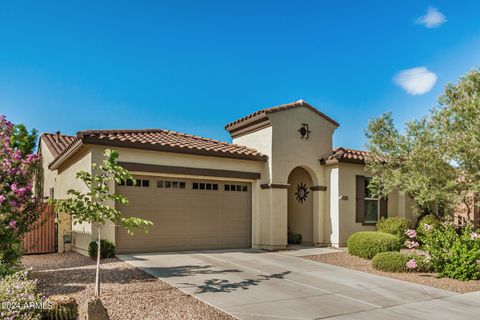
<point>365,199</point>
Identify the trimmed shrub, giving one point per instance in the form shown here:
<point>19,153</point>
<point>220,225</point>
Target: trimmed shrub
<point>61,308</point>
<point>294,238</point>
<point>366,244</point>
<point>394,225</point>
<point>19,298</point>
<point>397,262</point>
<point>107,249</point>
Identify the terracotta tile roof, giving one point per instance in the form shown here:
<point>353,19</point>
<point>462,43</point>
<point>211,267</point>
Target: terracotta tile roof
<point>262,113</point>
<point>341,154</point>
<point>57,142</point>
<point>158,140</point>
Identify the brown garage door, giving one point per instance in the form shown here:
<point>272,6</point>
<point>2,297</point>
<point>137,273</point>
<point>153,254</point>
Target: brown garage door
<point>187,214</point>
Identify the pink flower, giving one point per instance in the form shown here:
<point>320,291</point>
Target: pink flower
<point>2,198</point>
<point>474,235</point>
<point>411,244</point>
<point>411,233</point>
<point>13,224</point>
<point>411,264</point>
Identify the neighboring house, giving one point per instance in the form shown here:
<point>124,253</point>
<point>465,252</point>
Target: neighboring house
<point>280,174</point>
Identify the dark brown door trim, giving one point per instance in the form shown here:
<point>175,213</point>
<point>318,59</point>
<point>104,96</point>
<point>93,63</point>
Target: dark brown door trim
<point>155,168</point>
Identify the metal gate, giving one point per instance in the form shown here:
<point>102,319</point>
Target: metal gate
<point>41,239</point>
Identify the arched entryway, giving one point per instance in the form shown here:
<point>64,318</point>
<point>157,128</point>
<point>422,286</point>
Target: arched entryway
<point>300,205</point>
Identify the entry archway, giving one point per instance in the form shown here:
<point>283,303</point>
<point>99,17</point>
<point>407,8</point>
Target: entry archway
<point>300,204</point>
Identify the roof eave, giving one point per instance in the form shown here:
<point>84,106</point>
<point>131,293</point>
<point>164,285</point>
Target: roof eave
<point>165,148</point>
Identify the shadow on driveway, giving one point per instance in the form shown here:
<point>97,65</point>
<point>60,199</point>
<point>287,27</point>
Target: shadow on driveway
<point>226,286</point>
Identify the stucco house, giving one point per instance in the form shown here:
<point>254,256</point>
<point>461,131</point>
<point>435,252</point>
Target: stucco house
<point>280,174</point>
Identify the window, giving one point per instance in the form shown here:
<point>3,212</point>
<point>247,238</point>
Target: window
<point>233,187</point>
<point>204,186</point>
<point>171,184</point>
<point>52,193</point>
<point>372,207</point>
<point>138,183</point>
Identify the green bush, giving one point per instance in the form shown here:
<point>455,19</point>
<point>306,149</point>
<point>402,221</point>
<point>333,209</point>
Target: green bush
<point>61,308</point>
<point>367,244</point>
<point>16,292</point>
<point>454,254</point>
<point>107,249</point>
<point>431,221</point>
<point>294,238</point>
<point>397,262</point>
<point>394,225</point>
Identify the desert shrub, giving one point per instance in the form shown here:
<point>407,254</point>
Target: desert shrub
<point>394,225</point>
<point>294,238</point>
<point>61,308</point>
<point>19,297</point>
<point>454,254</point>
<point>107,249</point>
<point>398,261</point>
<point>430,221</point>
<point>367,244</point>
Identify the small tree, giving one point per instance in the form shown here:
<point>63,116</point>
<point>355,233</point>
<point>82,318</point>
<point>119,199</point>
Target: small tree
<point>92,206</point>
<point>19,208</point>
<point>22,140</point>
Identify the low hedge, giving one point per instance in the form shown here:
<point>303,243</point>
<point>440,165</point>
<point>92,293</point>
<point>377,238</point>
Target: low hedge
<point>394,225</point>
<point>107,249</point>
<point>366,244</point>
<point>397,262</point>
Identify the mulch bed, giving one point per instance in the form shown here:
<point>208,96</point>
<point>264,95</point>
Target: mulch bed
<point>343,259</point>
<point>127,292</point>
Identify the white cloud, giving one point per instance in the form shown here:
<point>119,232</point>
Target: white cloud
<point>432,19</point>
<point>416,81</point>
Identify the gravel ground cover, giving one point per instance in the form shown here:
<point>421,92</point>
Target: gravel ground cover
<point>127,292</point>
<point>343,259</point>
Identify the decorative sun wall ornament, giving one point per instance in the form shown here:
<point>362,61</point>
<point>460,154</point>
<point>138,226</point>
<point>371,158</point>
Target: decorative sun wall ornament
<point>302,192</point>
<point>304,132</point>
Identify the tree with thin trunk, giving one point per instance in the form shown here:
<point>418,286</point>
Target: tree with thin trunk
<point>93,207</point>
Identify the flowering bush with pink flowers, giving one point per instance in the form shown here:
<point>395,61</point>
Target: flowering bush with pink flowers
<point>18,205</point>
<point>454,253</point>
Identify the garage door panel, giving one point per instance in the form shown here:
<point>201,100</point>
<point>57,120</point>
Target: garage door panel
<point>187,219</point>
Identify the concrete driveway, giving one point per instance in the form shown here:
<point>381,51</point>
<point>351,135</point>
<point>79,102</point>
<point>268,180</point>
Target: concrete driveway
<point>253,284</point>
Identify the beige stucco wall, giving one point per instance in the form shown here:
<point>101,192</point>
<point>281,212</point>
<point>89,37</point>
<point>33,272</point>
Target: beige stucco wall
<point>286,151</point>
<point>66,180</point>
<point>48,175</point>
<point>342,202</point>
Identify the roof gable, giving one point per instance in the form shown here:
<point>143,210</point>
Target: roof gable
<point>259,119</point>
<point>56,142</point>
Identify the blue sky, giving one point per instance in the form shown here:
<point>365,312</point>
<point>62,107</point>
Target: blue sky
<point>195,66</point>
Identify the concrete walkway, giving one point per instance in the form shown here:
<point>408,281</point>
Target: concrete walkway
<point>253,284</point>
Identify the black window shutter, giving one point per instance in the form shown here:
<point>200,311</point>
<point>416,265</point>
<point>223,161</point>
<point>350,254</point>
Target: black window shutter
<point>359,198</point>
<point>383,207</point>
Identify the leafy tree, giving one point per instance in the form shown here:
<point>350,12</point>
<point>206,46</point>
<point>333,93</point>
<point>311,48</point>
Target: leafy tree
<point>19,208</point>
<point>437,160</point>
<point>412,163</point>
<point>458,123</point>
<point>22,140</point>
<point>93,206</point>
